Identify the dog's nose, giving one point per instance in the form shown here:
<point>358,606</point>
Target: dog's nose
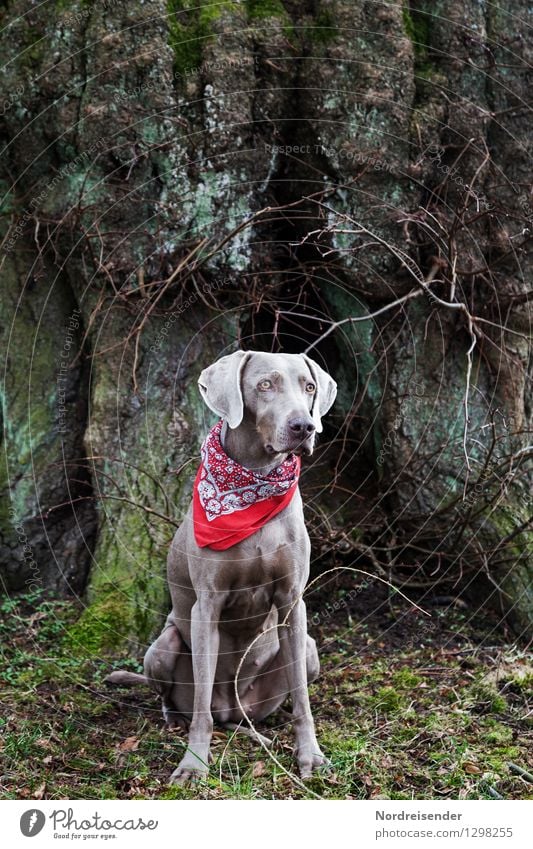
<point>301,426</point>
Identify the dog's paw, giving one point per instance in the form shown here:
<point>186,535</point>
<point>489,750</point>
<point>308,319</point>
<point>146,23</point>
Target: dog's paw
<point>310,760</point>
<point>175,721</point>
<point>190,771</point>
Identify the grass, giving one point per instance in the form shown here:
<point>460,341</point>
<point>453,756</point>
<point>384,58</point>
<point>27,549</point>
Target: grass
<point>401,712</point>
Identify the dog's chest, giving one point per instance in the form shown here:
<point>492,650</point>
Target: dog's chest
<point>265,573</point>
<point>249,600</point>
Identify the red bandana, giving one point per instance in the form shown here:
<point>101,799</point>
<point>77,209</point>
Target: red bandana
<point>230,502</point>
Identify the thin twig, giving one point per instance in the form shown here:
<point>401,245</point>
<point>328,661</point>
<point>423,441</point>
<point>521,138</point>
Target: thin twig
<point>467,392</point>
<point>73,501</point>
<point>415,293</point>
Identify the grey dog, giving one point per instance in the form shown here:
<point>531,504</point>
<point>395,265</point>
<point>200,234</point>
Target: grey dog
<point>225,600</point>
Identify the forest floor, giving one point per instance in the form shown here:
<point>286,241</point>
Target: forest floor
<point>406,707</point>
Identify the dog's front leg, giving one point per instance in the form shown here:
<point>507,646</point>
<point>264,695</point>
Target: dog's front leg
<point>293,648</point>
<point>205,640</point>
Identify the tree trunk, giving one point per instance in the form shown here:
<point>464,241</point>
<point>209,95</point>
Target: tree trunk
<point>177,178</point>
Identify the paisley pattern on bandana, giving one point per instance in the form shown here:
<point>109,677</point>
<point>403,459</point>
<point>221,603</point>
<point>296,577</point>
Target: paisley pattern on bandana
<point>224,486</point>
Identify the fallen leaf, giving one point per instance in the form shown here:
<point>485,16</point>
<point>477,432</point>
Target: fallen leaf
<point>130,744</point>
<point>471,769</point>
<point>48,759</point>
<point>377,793</point>
<point>258,769</point>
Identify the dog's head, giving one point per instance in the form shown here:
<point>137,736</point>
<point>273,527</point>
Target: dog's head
<point>284,395</point>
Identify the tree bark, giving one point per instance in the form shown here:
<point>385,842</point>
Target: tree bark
<point>389,146</point>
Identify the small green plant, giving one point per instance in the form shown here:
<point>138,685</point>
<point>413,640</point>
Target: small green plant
<point>388,700</point>
<point>406,679</point>
<point>484,698</point>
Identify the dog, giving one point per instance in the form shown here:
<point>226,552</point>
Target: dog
<point>239,562</point>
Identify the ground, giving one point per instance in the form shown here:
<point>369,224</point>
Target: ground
<point>406,706</point>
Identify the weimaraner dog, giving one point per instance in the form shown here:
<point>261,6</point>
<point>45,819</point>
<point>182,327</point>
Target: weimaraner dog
<point>223,600</point>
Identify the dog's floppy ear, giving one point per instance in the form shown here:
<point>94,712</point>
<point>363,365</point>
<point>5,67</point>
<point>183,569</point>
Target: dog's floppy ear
<point>326,391</point>
<point>220,387</point>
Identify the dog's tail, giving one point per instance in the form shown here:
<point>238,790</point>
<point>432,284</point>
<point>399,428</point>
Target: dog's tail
<point>129,679</point>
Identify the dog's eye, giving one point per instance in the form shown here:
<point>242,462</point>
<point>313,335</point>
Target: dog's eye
<point>310,388</point>
<point>264,385</point>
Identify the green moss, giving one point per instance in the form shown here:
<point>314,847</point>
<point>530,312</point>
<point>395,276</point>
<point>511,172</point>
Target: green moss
<point>498,758</point>
<point>32,48</point>
<point>387,700</point>
<point>259,9</point>
<point>416,25</point>
<point>523,683</point>
<point>102,626</point>
<point>505,521</point>
<point>183,39</point>
<point>128,579</point>
<point>28,397</point>
<point>128,593</point>
<point>404,678</point>
<point>190,25</point>
<point>497,734</point>
<point>324,30</point>
<point>485,698</point>
<point>343,747</point>
<point>274,10</point>
<point>178,793</point>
